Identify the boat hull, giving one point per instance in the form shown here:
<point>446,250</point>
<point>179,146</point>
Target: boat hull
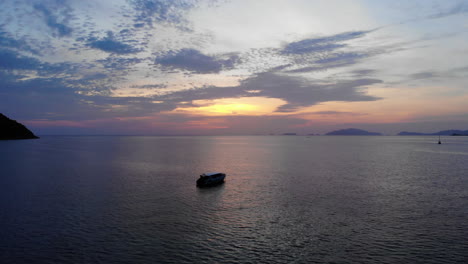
<point>206,181</point>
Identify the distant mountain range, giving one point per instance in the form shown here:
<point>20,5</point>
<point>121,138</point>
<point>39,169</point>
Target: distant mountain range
<point>352,132</point>
<point>10,129</point>
<point>360,132</point>
<point>451,132</point>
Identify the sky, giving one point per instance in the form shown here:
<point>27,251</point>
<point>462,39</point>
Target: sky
<point>234,67</point>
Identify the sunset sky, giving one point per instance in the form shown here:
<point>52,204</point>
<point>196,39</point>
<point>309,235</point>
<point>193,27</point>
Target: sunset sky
<point>154,67</point>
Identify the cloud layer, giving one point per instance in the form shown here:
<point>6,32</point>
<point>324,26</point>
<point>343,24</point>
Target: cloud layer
<point>84,60</point>
<point>194,61</point>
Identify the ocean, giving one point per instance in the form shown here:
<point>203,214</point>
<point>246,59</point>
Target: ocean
<point>286,199</point>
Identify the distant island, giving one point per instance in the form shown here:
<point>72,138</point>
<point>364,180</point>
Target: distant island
<point>451,132</point>
<point>352,132</point>
<point>10,129</point>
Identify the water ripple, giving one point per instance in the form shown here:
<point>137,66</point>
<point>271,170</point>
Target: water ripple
<point>285,200</point>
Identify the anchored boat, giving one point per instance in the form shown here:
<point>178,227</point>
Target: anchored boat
<point>210,179</point>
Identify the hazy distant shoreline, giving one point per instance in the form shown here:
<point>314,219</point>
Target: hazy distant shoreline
<point>244,135</point>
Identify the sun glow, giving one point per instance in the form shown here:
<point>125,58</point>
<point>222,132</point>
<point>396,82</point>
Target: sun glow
<point>230,108</point>
<point>233,106</point>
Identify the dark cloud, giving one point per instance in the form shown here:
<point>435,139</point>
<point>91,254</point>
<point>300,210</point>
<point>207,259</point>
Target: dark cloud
<point>116,63</point>
<point>157,11</point>
<point>297,92</point>
<point>324,53</point>
<point>150,86</point>
<point>111,44</point>
<point>305,46</point>
<point>61,99</point>
<point>194,61</point>
<point>332,60</point>
<point>53,90</point>
<point>363,72</point>
<point>39,98</point>
<point>323,67</point>
<point>423,75</point>
<point>8,41</point>
<point>300,92</point>
<point>56,17</point>
<point>281,67</point>
<point>337,113</point>
<point>11,60</point>
<point>435,76</point>
<point>36,89</point>
<point>322,44</point>
<point>345,58</point>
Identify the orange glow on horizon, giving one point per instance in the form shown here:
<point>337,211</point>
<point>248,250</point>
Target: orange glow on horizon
<point>398,104</point>
<point>251,106</point>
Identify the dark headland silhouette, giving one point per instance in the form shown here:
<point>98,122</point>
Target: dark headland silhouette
<point>10,129</point>
<point>352,132</point>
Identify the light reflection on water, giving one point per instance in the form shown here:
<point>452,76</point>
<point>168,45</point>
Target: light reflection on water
<point>286,199</point>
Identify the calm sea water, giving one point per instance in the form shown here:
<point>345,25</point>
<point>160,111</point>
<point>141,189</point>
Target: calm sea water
<point>286,200</point>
